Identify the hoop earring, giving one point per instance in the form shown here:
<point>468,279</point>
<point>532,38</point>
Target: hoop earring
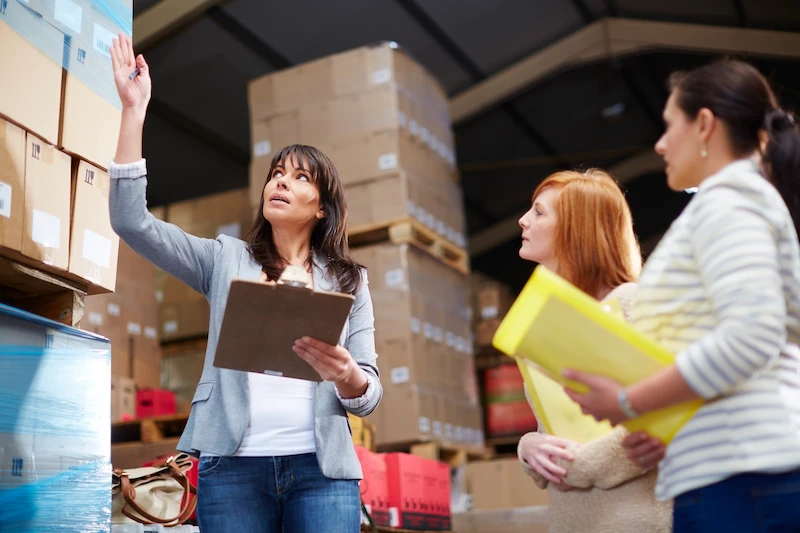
<point>703,151</point>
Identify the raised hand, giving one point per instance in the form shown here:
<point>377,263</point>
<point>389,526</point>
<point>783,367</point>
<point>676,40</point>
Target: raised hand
<point>134,88</point>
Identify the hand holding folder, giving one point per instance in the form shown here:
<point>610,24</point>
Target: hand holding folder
<point>557,326</point>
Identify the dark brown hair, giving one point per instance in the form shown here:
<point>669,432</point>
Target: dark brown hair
<point>329,238</point>
<point>738,95</point>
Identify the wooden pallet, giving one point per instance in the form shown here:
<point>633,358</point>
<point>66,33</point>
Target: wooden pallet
<point>31,289</point>
<point>149,429</point>
<point>410,231</point>
<point>453,455</point>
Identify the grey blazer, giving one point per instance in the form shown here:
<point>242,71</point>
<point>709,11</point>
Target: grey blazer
<point>220,407</point>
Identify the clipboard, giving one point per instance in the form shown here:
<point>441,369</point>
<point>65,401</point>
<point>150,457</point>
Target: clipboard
<point>558,326</point>
<point>263,321</point>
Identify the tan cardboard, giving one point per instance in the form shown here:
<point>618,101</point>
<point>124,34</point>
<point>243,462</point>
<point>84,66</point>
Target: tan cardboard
<point>12,185</point>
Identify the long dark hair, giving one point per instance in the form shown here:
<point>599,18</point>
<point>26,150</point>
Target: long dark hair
<point>741,97</point>
<point>329,238</point>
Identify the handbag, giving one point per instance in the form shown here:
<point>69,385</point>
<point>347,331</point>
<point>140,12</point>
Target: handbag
<point>158,494</point>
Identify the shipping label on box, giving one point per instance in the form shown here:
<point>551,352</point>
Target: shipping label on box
<point>48,175</point>
<point>94,245</point>
<point>12,181</point>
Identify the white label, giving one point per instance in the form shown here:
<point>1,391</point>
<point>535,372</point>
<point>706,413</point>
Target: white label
<point>46,229</point>
<point>233,229</point>
<point>134,328</point>
<point>382,75</point>
<point>96,248</point>
<point>437,428</point>
<point>441,228</point>
<point>401,374</point>
<point>69,14</point>
<point>150,332</point>
<point>461,344</point>
<point>415,325</point>
<point>424,424</point>
<point>96,319</point>
<point>103,40</point>
<point>427,329</point>
<point>437,334</point>
<point>458,434</point>
<point>451,235</point>
<point>159,295</point>
<point>449,339</point>
<point>112,309</point>
<point>171,327</point>
<point>411,207</point>
<point>425,134</point>
<point>402,119</point>
<point>387,161</point>
<point>394,517</point>
<point>414,127</point>
<point>5,200</point>
<point>490,311</point>
<point>394,278</point>
<point>448,431</point>
<point>260,149</point>
<point>430,221</point>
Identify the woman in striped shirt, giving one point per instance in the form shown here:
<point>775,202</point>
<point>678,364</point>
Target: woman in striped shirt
<point>722,291</point>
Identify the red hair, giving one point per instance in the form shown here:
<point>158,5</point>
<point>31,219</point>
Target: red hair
<point>594,240</point>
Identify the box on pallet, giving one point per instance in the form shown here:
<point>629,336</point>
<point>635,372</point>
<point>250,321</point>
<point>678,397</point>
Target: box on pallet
<point>12,182</point>
<point>181,373</point>
<point>54,438</point>
<point>94,246</point>
<point>419,493</point>
<point>123,399</point>
<point>30,87</point>
<point>152,402</point>
<point>374,486</point>
<point>502,484</point>
<point>425,356</point>
<point>48,176</point>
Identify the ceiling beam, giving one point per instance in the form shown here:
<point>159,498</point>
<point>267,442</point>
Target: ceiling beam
<point>617,37</point>
<point>165,18</point>
<point>625,171</point>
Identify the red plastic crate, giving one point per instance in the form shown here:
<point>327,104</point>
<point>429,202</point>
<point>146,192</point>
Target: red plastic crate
<point>419,493</point>
<point>374,487</point>
<point>154,402</point>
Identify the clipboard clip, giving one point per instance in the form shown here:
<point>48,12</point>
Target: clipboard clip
<point>295,276</point>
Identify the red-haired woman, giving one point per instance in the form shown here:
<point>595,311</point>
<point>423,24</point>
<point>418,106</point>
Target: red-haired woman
<point>580,227</point>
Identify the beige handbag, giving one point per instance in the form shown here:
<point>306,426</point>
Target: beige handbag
<point>158,494</point>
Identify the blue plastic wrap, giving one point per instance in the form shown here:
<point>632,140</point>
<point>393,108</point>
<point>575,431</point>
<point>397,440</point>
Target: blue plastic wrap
<point>55,467</point>
<point>75,33</point>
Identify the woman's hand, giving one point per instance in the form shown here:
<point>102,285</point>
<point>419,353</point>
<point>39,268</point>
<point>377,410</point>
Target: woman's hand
<point>333,363</point>
<point>134,92</point>
<point>542,453</point>
<point>644,450</point>
<point>601,401</point>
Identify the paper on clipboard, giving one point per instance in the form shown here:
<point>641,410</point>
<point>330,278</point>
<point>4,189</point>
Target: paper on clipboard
<point>263,321</point>
<point>557,326</point>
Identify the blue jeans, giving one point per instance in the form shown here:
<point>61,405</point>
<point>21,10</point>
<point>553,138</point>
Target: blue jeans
<point>748,503</point>
<point>273,495</point>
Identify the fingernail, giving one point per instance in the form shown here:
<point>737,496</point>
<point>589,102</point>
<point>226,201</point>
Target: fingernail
<point>567,373</point>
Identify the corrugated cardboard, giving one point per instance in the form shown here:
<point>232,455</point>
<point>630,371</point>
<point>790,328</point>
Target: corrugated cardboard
<point>134,454</point>
<point>30,86</point>
<point>123,398</point>
<point>502,484</point>
<point>12,182</point>
<point>94,245</point>
<point>181,373</point>
<point>347,73</point>
<point>226,213</point>
<point>48,176</point>
<point>520,520</point>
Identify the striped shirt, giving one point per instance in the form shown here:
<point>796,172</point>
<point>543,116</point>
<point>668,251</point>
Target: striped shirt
<point>722,290</point>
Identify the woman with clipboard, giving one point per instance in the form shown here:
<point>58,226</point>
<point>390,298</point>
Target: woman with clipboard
<point>722,292</point>
<point>580,227</point>
<point>275,453</point>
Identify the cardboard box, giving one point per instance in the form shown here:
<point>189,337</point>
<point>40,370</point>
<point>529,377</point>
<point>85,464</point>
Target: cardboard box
<point>485,330</point>
<point>90,125</point>
<point>135,454</point>
<point>375,485</point>
<point>347,73</point>
<point>520,520</point>
<point>48,176</point>
<point>94,246</point>
<point>30,87</point>
<point>419,493</point>
<point>123,399</point>
<point>12,182</point>
<point>502,484</point>
<point>181,372</point>
<point>227,213</point>
<point>493,300</point>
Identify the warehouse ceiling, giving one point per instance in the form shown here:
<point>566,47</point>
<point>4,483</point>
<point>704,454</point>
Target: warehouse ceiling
<point>535,86</point>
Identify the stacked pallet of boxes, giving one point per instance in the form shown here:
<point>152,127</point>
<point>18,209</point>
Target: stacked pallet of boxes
<point>384,122</point>
<point>59,119</point>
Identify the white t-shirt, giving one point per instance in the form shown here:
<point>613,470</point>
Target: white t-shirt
<point>281,417</point>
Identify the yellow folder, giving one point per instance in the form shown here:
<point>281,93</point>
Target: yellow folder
<point>558,326</point>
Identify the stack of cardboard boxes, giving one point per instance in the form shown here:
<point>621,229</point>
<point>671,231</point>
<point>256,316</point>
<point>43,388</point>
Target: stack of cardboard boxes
<point>384,122</point>
<point>491,300</point>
